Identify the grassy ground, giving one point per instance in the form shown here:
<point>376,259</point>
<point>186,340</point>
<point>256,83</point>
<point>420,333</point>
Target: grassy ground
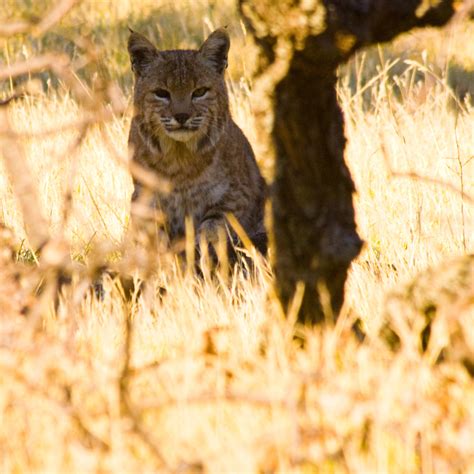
<point>208,377</point>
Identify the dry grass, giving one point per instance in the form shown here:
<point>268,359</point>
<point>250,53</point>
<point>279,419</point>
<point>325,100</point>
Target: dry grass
<point>209,376</point>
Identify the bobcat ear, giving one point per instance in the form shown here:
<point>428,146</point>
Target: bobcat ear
<point>141,52</point>
<point>215,49</point>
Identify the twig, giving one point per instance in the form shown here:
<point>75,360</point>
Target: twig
<point>54,15</point>
<point>67,194</point>
<point>13,27</point>
<point>461,182</point>
<point>23,184</point>
<point>79,423</point>
<point>418,177</point>
<point>90,120</point>
<point>15,96</point>
<point>38,28</point>
<point>68,408</point>
<point>126,406</point>
<point>34,64</point>
<point>228,397</point>
<point>140,173</point>
<point>96,206</point>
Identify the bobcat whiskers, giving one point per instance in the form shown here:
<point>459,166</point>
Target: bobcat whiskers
<point>181,132</point>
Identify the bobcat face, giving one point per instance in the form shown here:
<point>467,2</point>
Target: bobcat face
<point>180,93</point>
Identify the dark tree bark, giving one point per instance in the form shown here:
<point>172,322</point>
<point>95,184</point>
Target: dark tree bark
<point>300,126</point>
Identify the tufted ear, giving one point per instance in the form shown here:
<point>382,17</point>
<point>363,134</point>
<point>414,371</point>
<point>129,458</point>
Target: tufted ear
<point>215,49</point>
<point>141,52</point>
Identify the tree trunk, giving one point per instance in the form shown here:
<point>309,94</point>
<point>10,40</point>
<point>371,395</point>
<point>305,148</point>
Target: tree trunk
<point>300,127</point>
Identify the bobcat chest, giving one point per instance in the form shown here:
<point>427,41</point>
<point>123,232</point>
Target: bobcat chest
<point>193,201</point>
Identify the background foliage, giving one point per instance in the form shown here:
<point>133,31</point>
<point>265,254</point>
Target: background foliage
<point>208,377</point>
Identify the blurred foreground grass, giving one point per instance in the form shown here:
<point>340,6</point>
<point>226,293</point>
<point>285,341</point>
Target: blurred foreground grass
<point>217,382</point>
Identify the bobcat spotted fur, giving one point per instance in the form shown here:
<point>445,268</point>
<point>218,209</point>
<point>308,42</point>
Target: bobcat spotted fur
<point>183,131</point>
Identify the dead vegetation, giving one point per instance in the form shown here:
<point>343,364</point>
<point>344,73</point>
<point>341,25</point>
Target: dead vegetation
<point>208,377</point>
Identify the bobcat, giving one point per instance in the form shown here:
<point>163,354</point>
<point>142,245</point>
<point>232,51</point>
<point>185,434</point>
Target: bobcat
<point>182,130</point>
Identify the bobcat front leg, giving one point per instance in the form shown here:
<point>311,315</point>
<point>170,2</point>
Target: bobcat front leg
<point>212,227</point>
<point>214,231</point>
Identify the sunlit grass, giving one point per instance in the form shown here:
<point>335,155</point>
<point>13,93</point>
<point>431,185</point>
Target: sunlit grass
<point>219,381</point>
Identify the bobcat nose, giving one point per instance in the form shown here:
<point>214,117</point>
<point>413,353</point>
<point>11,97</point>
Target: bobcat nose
<point>181,118</point>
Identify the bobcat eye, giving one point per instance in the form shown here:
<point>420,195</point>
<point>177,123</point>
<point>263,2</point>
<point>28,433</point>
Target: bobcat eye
<point>161,94</point>
<point>200,92</point>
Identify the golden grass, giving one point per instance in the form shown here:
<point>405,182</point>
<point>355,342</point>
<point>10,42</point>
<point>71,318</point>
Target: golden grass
<point>215,380</point>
